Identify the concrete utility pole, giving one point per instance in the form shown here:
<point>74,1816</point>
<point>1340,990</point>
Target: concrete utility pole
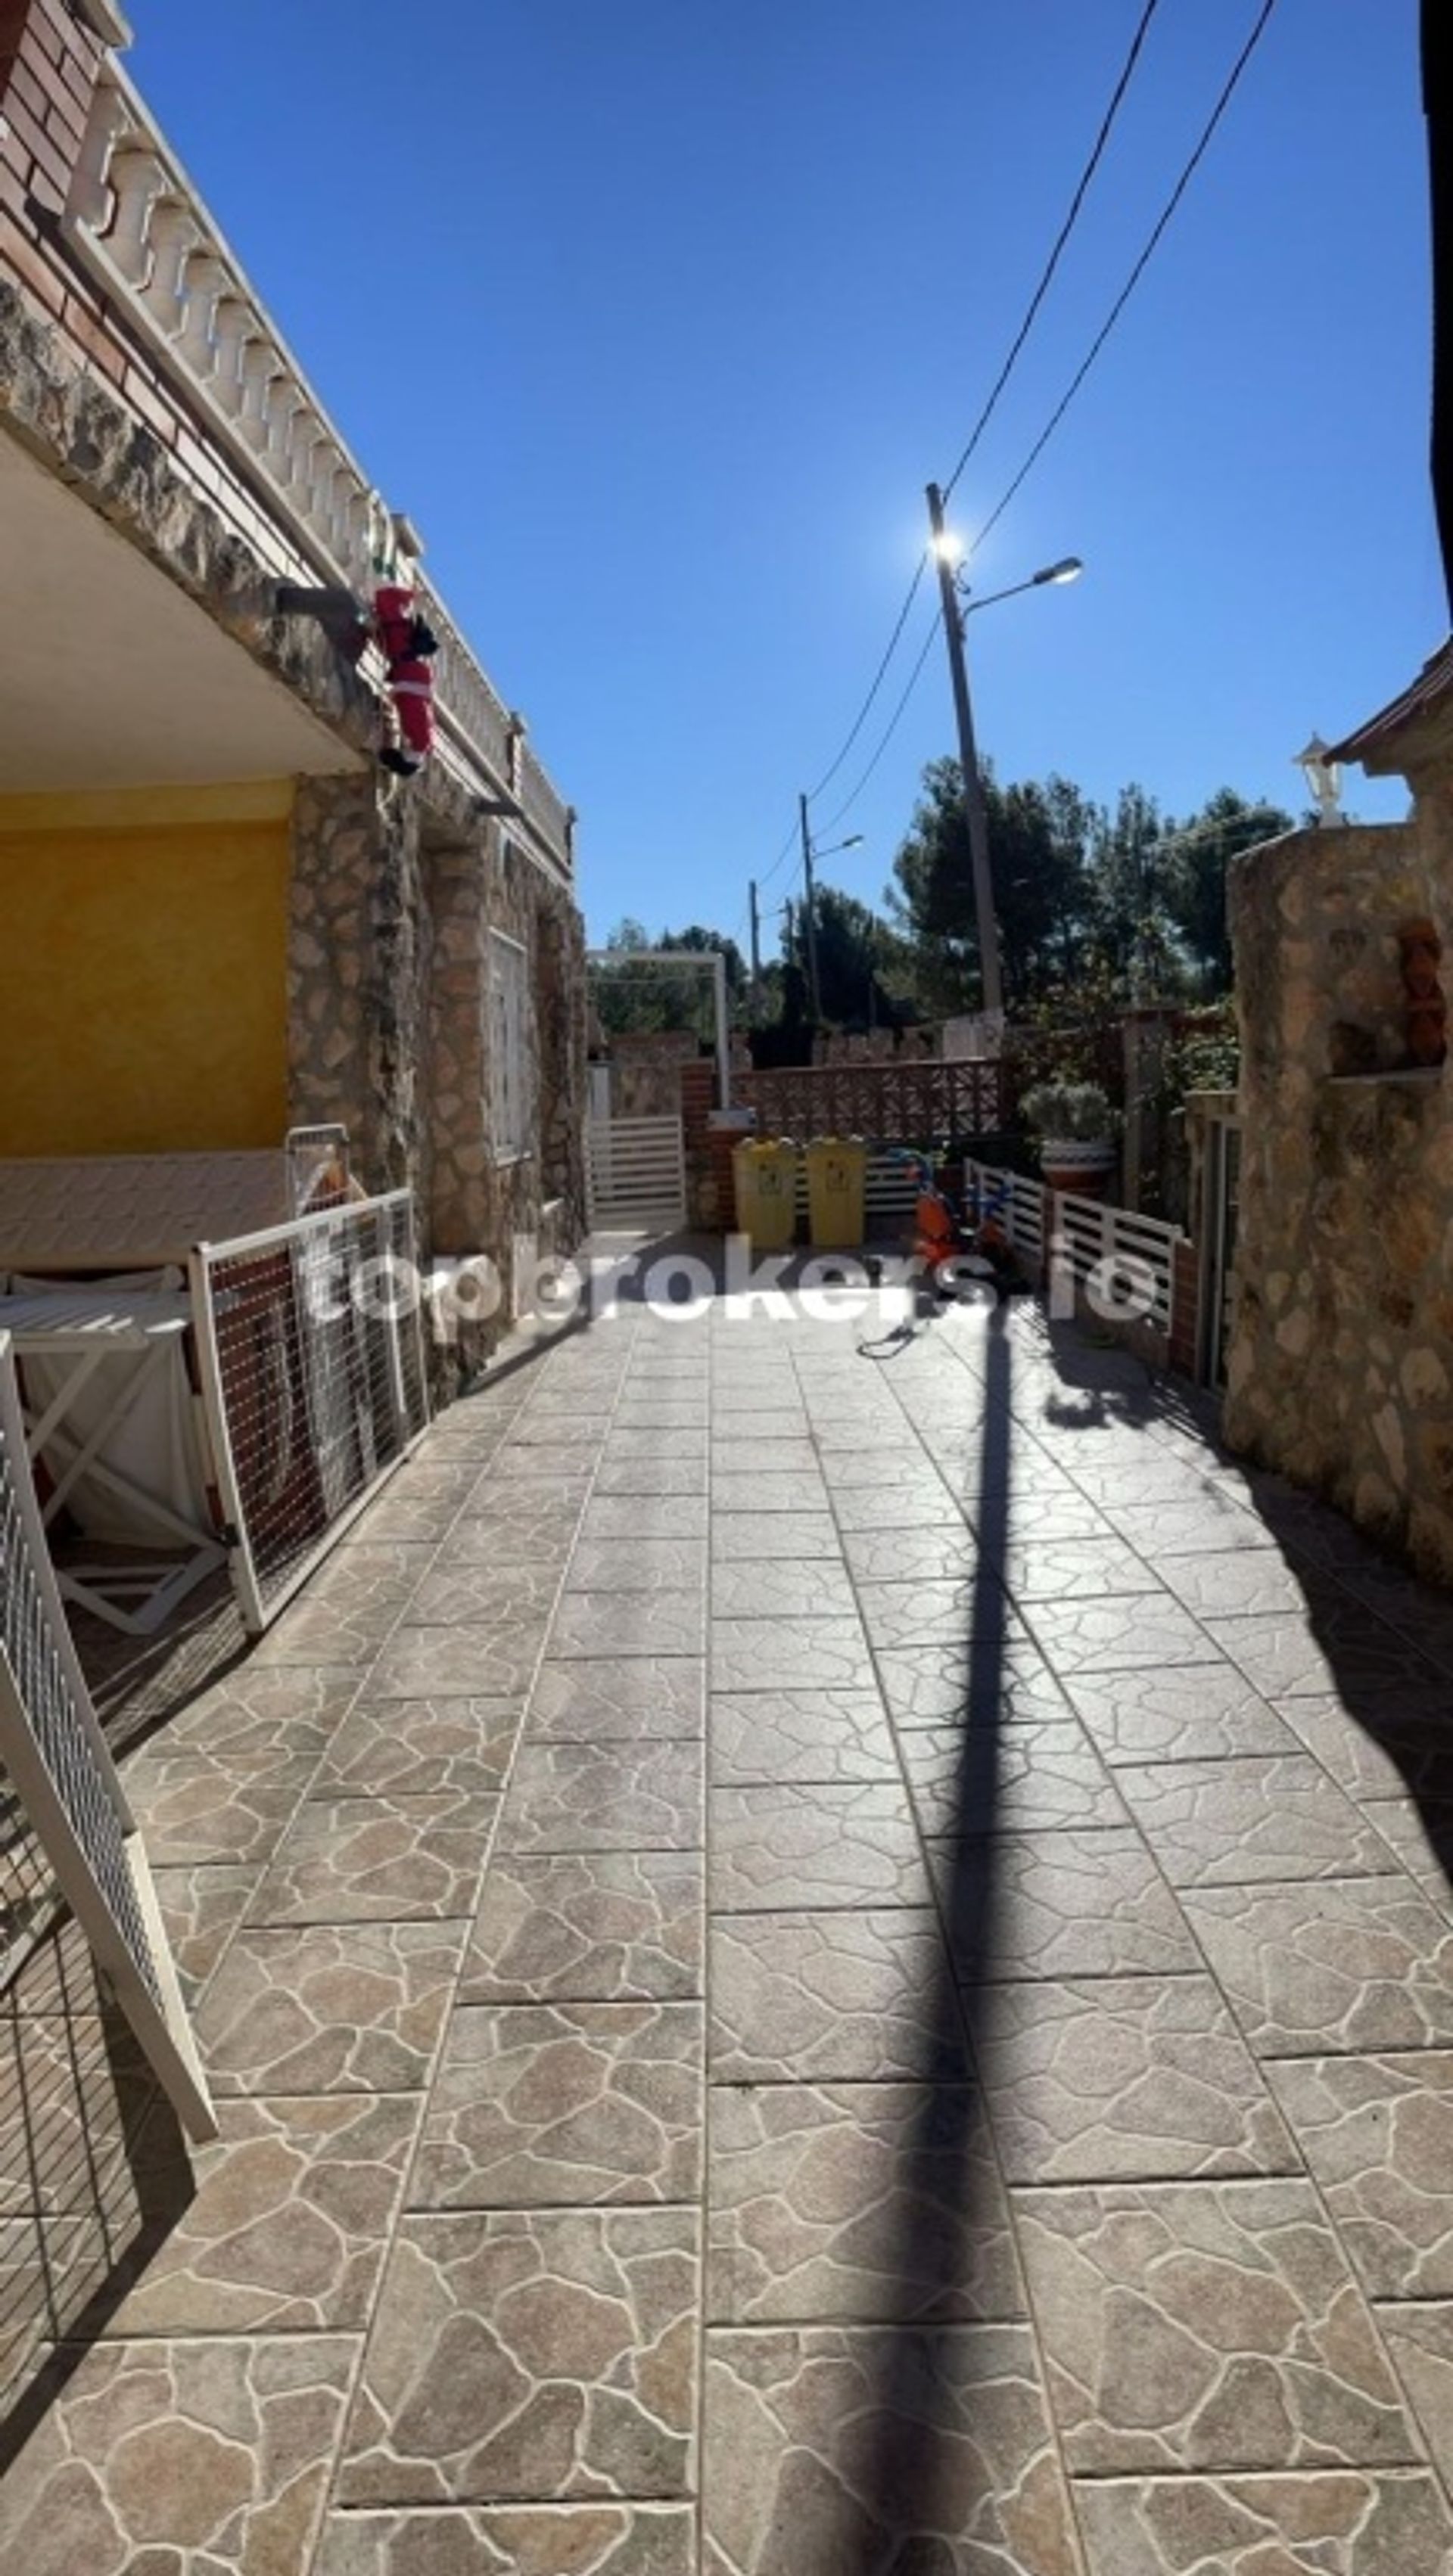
<point>975,811</point>
<point>809,897</point>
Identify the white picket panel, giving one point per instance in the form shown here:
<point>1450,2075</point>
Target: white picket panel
<point>1122,1250</point>
<point>636,1173</point>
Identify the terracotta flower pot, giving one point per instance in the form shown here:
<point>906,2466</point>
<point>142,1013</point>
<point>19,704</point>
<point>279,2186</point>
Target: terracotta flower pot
<point>1080,1166</point>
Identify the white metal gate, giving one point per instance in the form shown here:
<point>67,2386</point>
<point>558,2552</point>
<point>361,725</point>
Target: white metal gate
<point>636,1173</point>
<point>66,1830</point>
<point>310,1346</point>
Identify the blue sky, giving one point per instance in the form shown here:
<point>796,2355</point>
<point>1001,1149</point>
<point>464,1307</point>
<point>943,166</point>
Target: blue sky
<point>657,316</point>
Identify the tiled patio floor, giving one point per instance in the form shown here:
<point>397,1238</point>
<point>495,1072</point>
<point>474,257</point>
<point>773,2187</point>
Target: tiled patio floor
<point>813,1964</point>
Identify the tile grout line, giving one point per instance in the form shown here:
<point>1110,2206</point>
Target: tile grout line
<point>329,2500</point>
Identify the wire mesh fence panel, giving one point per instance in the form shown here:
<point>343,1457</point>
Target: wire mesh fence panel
<point>66,1833</point>
<point>312,1356</point>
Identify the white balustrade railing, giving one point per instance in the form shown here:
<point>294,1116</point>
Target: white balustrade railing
<point>139,225</point>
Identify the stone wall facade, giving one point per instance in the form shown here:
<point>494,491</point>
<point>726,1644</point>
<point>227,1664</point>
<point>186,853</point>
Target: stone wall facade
<point>1340,1370</point>
<point>396,891</point>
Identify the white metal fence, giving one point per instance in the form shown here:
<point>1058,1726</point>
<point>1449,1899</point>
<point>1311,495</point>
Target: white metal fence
<point>1128,1259</point>
<point>635,1173</point>
<point>312,1363</point>
<point>67,1835</point>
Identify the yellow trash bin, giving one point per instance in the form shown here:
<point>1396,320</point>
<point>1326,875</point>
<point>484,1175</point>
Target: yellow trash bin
<point>837,1174</point>
<point>765,1173</point>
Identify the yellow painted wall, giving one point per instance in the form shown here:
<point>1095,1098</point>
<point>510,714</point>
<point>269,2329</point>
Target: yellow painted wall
<point>143,971</point>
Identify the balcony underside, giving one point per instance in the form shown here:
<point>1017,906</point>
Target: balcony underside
<point>110,676</point>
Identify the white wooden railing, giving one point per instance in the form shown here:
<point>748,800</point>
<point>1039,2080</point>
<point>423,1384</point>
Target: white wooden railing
<point>1111,1248</point>
<point>140,227</point>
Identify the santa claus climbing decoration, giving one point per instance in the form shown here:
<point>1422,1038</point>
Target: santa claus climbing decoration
<point>408,644</point>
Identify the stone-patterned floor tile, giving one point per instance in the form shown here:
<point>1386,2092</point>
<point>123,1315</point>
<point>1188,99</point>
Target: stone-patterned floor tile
<point>1419,1833</point>
<point>1040,1568</point>
<point>265,1709</point>
<point>856,2202</point>
<point>759,1588</point>
<point>483,1595</point>
<point>1329,1964</point>
<point>640,1795</point>
<point>853,1997</point>
<point>786,1490</point>
<point>937,1614</point>
<point>1237,1582</point>
<point>638,1564</point>
<point>499,1538</point>
<point>293,2207</point>
<point>540,2105</point>
<point>1139,1631</point>
<point>565,1430</point>
<point>417,1519</point>
<point>1265,1816</point>
<point>821,1844</point>
<point>528,1479</point>
<point>1037,1515</point>
<point>1205,2325</point>
<point>531,2355</point>
<point>789,1654</point>
<point>936,1551</point>
<point>933,1685</point>
<point>605,1700</point>
<point>829,2452</point>
<point>792,1455</point>
<point>201,1909</point>
<point>1153,1475</point>
<point>1372,1753</point>
<point>1104,2079</point>
<point>1346,1654</point>
<point>458,1663</point>
<point>593,1624</point>
<point>636,1516</point>
<point>1331,2522</point>
<point>604,2538</point>
<point>1189,1713</point>
<point>1378,2135</point>
<point>923,1505</point>
<point>1206,1527</point>
<point>170,2456</point>
<point>800,1735</point>
<point>379,1860</point>
<point>577,1927</point>
<point>1069,1903</point>
<point>907,1467</point>
<point>651,1476</point>
<point>415,1747</point>
<point>195,1807</point>
<point>788,1536</point>
<point>1019,1779</point>
<point>1419,2335</point>
<point>329,2008</point>
<point>74,2093</point>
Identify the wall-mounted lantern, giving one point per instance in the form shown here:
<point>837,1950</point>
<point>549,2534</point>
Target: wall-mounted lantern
<point>1324,780</point>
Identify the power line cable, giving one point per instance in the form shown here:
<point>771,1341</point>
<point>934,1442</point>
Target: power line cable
<point>892,727</point>
<point>879,676</point>
<point>1067,227</point>
<point>1137,272</point>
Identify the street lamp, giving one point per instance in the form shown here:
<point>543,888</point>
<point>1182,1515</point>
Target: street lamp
<point>948,553</point>
<point>1323,775</point>
<point>809,895</point>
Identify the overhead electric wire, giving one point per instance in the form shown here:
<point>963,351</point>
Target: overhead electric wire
<point>893,723</point>
<point>1137,272</point>
<point>1067,227</point>
<point>879,676</point>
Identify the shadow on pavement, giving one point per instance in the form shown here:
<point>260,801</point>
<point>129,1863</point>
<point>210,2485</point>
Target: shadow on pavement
<point>913,2479</point>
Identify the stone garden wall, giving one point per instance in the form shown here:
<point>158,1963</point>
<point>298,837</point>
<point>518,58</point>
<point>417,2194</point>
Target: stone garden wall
<point>1341,1363</point>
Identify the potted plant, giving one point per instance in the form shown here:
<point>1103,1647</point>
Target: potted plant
<point>1076,1126</point>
